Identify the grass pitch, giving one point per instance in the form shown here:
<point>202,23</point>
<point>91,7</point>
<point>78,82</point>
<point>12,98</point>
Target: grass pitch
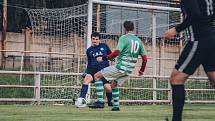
<point>127,113</point>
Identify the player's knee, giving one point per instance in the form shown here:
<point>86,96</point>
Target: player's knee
<point>88,79</point>
<point>175,80</point>
<point>178,77</point>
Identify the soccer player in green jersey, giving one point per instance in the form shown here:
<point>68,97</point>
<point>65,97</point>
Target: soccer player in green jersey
<point>128,49</point>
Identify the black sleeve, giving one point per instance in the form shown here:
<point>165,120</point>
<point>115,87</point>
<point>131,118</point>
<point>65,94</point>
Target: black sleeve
<point>193,14</point>
<point>186,23</point>
<point>193,10</point>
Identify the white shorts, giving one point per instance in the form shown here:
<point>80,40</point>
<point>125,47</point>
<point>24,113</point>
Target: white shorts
<point>112,73</point>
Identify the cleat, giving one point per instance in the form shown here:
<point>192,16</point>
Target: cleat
<point>81,103</point>
<point>97,104</point>
<point>115,109</point>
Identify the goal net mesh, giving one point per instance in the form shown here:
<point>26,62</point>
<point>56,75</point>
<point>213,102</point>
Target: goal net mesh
<point>59,44</point>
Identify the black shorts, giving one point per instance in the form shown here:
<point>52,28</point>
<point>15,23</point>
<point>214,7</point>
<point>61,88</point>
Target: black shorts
<point>196,53</point>
<point>93,71</point>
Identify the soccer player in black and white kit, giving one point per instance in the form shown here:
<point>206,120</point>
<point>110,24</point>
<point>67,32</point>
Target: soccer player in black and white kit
<point>199,26</point>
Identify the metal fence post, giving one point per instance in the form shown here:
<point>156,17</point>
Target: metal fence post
<point>154,55</point>
<point>37,88</point>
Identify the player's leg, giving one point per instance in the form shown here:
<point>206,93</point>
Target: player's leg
<point>87,80</point>
<point>209,67</point>
<point>185,66</point>
<point>99,91</point>
<point>99,87</point>
<point>81,101</point>
<point>109,73</point>
<point>177,80</point>
<point>209,60</point>
<point>106,74</point>
<point>115,93</point>
<point>108,90</point>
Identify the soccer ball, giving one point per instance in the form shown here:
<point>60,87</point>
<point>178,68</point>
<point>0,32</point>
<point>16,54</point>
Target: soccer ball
<point>81,103</point>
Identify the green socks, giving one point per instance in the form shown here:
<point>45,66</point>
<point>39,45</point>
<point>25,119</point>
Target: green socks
<point>99,90</point>
<point>115,94</point>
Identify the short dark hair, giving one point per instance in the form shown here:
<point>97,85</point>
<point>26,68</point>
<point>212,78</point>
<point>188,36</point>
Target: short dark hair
<point>95,34</point>
<point>128,25</point>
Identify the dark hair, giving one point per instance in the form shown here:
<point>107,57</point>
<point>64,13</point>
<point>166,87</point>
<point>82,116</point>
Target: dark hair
<point>95,34</point>
<point>128,25</point>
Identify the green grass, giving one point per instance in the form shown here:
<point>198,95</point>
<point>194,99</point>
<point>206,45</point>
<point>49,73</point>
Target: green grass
<point>127,113</point>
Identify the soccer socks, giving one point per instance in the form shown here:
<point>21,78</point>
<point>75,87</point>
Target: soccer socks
<point>84,90</point>
<point>109,97</point>
<point>178,97</point>
<point>99,90</point>
<point>115,93</point>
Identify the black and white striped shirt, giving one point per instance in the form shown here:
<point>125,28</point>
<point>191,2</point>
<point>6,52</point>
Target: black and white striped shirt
<point>199,17</point>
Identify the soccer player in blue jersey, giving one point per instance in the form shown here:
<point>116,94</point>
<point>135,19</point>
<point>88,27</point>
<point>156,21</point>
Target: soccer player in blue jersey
<point>97,49</point>
<point>128,50</point>
<point>199,23</point>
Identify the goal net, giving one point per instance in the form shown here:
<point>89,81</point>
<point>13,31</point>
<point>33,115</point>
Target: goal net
<point>59,44</point>
<point>60,41</point>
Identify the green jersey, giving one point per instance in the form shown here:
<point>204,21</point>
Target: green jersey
<point>130,46</point>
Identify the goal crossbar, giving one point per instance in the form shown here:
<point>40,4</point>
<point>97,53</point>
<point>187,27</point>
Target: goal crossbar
<point>133,5</point>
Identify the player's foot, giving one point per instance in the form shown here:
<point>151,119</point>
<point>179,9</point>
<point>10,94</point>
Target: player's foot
<point>110,104</point>
<point>115,109</point>
<point>97,104</point>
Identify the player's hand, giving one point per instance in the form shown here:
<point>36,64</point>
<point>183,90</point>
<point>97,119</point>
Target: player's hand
<point>171,33</point>
<point>99,59</point>
<point>140,73</point>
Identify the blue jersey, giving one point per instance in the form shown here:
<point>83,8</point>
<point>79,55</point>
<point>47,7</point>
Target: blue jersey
<point>97,51</point>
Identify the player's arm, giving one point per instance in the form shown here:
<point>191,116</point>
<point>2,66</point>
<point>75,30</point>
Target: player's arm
<point>186,23</point>
<point>109,52</point>
<point>143,66</point>
<point>144,60</point>
<point>112,55</point>
<point>171,33</point>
